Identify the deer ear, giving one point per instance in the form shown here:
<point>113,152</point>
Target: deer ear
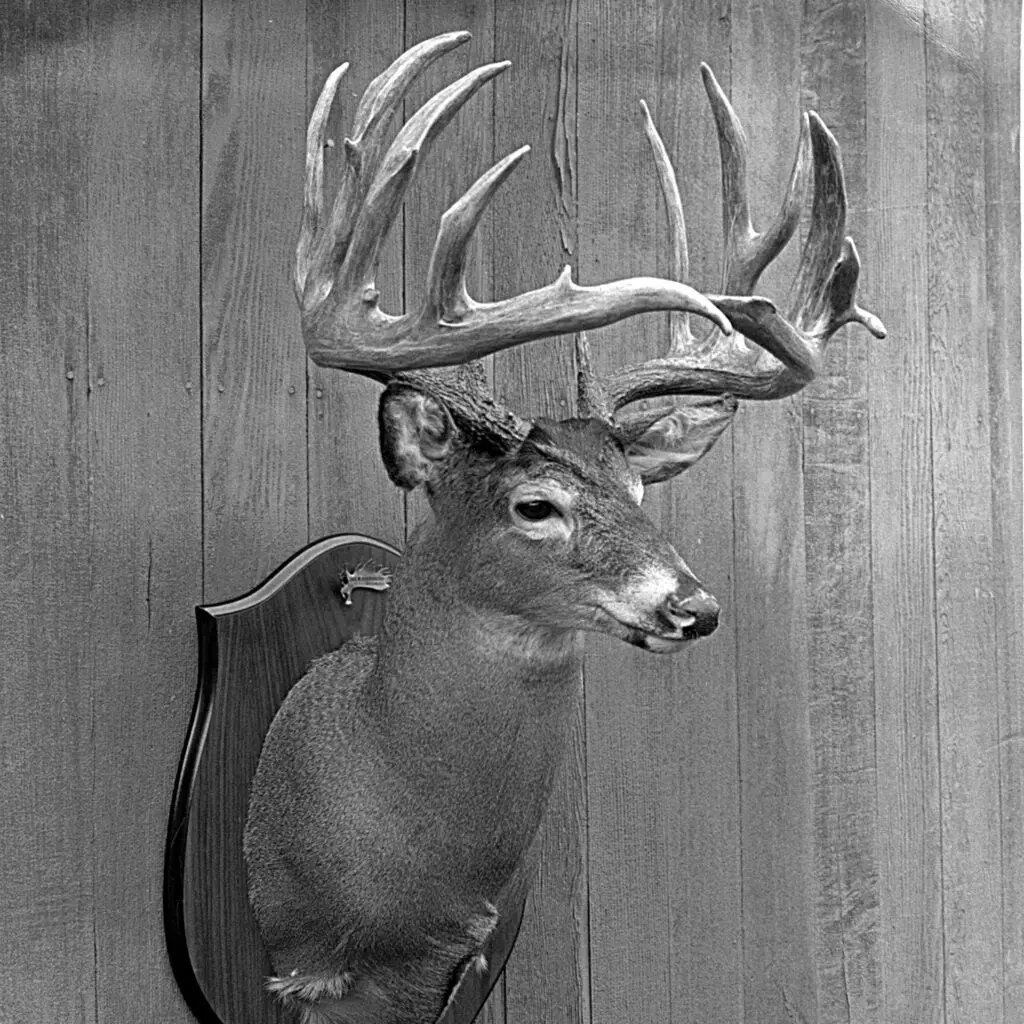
<point>675,441</point>
<point>416,433</point>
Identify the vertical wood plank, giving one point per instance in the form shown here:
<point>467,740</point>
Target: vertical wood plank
<point>145,539</point>
<point>906,707</point>
<point>967,687</point>
<point>46,753</point>
<point>775,754</point>
<point>698,777</point>
<point>838,531</point>
<point>627,691</point>
<point>661,733</point>
<point>535,211</point>
<point>1003,284</point>
<point>254,365</point>
<point>547,977</point>
<point>348,488</point>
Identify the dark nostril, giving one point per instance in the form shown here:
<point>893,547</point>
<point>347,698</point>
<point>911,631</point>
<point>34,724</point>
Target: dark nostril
<point>697,611</point>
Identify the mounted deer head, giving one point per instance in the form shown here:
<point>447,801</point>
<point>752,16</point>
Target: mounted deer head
<point>402,783</point>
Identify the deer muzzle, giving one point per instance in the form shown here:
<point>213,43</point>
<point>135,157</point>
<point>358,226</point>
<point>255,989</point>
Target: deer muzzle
<point>661,609</point>
<point>690,615</point>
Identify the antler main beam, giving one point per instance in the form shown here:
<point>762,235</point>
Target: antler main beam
<point>824,292</point>
<point>343,325</point>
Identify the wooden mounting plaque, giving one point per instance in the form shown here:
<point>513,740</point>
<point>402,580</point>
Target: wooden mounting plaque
<point>252,650</point>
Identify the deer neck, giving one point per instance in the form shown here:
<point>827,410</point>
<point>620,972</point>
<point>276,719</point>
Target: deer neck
<point>438,645</point>
<point>484,696</point>
<point>472,711</point>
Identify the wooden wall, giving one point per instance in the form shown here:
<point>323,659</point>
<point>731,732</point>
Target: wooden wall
<point>817,815</point>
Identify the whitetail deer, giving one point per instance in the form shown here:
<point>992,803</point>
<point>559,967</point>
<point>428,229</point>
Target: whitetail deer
<point>403,781</point>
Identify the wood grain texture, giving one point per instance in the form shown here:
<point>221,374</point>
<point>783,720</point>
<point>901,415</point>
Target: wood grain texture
<point>1002,287</point>
<point>254,365</point>
<point>47,902</point>
<point>348,488</point>
<point>903,593</point>
<point>535,211</point>
<point>145,500</point>
<point>548,977</point>
<point>836,466</point>
<point>775,761</point>
<point>630,926</point>
<point>962,487</point>
<point>635,760</point>
<point>698,778</point>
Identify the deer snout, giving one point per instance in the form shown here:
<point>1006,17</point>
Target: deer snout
<point>695,614</point>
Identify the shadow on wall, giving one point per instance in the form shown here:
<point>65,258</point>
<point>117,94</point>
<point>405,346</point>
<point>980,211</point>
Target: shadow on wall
<point>35,28</point>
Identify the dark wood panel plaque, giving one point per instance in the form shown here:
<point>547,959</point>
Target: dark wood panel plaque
<point>252,650</point>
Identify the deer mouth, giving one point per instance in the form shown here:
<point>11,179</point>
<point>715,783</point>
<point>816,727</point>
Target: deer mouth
<point>662,644</point>
<point>664,640</point>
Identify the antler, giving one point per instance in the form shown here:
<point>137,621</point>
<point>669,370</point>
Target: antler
<point>342,323</point>
<point>824,291</point>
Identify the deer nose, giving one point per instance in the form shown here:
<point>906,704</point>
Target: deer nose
<point>696,612</point>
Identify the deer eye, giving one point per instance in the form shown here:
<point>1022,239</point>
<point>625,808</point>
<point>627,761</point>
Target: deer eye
<point>535,511</point>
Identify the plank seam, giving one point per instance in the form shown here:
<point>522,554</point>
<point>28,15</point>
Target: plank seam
<point>928,324</point>
<point>489,235</point>
<point>90,495</point>
<point>736,668</point>
<point>307,375</point>
<point>1003,590</point>
<point>202,315</point>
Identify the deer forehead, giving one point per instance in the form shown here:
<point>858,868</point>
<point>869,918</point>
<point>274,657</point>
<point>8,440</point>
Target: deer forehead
<point>580,455</point>
<point>573,488</point>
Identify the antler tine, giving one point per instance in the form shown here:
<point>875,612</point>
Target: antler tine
<point>447,298</point>
<point>679,257</point>
<point>313,197</point>
<point>825,289</point>
<point>384,197</point>
<point>342,324</point>
<point>843,294</point>
<point>363,150</point>
<point>747,251</point>
<point>592,399</point>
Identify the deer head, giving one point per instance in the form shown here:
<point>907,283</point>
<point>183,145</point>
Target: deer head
<point>435,421</point>
<point>377,896</point>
